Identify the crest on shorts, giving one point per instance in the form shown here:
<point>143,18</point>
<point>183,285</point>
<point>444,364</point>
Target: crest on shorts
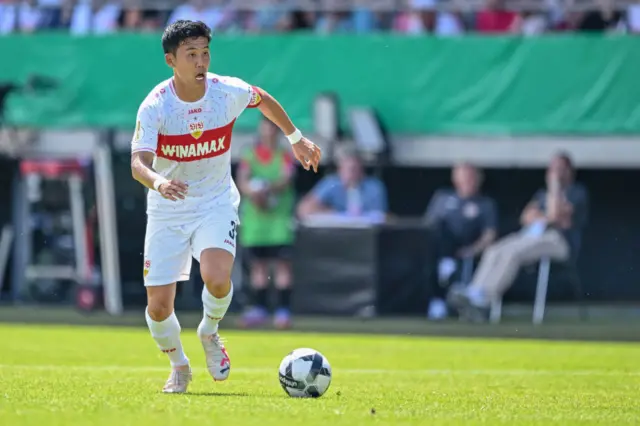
<point>196,129</point>
<point>147,266</point>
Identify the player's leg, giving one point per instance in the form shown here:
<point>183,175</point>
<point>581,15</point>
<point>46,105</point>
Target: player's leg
<point>283,280</point>
<point>257,314</point>
<point>215,266</point>
<point>214,246</point>
<point>167,260</point>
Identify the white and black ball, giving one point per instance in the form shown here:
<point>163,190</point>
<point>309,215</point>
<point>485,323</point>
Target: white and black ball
<point>305,373</point>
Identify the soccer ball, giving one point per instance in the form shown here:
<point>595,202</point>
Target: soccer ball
<point>305,373</point>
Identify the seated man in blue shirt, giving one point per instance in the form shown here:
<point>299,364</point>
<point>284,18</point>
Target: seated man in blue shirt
<point>464,223</point>
<point>348,196</point>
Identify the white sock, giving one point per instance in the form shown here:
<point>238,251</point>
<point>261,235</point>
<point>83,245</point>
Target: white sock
<point>167,335</point>
<point>214,310</point>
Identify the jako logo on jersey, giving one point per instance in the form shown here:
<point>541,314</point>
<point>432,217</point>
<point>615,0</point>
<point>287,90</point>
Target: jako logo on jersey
<point>196,129</point>
<point>183,148</point>
<point>195,111</point>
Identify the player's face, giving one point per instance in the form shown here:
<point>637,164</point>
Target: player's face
<point>191,61</point>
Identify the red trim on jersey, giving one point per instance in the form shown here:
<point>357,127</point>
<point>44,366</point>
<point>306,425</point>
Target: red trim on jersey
<point>184,148</point>
<point>256,97</point>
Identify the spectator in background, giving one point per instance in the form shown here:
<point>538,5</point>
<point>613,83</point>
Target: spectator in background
<point>303,20</point>
<point>144,20</point>
<point>95,17</point>
<point>346,196</point>
<point>496,19</point>
<point>532,23</point>
<point>275,17</point>
<point>51,14</point>
<point>424,18</point>
<point>604,18</point>
<point>552,225</point>
<point>265,179</point>
<point>199,10</point>
<point>20,16</point>
<point>464,223</point>
<point>633,18</point>
<point>7,17</point>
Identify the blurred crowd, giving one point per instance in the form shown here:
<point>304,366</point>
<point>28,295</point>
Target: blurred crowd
<point>438,17</point>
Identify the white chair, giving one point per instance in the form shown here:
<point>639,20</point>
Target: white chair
<point>540,301</point>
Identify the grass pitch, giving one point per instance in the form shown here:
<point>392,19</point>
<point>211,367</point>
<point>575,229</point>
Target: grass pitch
<point>112,376</point>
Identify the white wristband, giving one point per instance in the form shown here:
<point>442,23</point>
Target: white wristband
<point>295,137</point>
<point>159,182</point>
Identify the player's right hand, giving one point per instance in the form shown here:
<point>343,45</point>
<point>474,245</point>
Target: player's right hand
<point>307,153</point>
<point>173,190</point>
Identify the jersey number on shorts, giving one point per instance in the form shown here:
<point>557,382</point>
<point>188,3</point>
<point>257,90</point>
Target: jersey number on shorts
<point>234,229</point>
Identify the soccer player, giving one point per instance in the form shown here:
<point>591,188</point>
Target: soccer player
<point>180,151</point>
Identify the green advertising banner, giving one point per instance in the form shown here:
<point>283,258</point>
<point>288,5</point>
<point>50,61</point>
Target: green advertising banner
<point>467,85</point>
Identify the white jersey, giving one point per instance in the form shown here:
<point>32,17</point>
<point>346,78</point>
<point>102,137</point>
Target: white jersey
<point>192,140</point>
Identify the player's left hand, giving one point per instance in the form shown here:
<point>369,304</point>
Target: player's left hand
<point>307,153</point>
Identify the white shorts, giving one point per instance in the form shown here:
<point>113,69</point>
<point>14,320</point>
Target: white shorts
<point>170,245</point>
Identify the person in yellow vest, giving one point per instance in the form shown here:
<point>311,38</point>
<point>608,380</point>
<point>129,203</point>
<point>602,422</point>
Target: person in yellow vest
<point>265,179</point>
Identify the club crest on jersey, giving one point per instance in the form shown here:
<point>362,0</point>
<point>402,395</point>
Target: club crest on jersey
<point>196,129</point>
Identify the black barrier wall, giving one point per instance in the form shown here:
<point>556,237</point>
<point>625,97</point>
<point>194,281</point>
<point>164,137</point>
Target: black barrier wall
<point>608,265</point>
<point>608,260</point>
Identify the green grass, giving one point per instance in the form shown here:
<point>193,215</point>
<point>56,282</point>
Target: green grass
<point>112,376</point>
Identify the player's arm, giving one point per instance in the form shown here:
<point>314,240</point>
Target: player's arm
<point>305,151</point>
<point>143,148</point>
<point>142,168</point>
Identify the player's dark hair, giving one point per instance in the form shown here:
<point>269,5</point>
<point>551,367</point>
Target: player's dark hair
<point>175,34</point>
